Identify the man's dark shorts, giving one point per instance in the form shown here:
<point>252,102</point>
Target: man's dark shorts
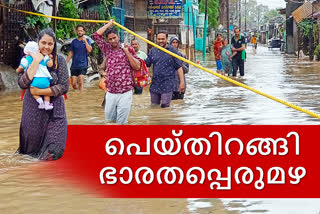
<point>78,71</point>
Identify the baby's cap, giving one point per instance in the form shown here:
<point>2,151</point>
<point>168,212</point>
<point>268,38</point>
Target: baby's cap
<point>31,47</point>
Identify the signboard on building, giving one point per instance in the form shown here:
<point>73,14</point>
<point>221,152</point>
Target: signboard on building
<point>165,9</point>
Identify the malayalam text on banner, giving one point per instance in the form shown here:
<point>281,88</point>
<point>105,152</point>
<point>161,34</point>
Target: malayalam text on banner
<point>165,8</point>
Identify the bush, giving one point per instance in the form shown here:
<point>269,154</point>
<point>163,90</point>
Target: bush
<point>317,52</point>
<point>66,29</point>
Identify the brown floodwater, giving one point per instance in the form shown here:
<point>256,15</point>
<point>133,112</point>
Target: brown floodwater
<point>208,100</point>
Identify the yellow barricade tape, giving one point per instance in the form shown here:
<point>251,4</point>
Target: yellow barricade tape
<point>179,57</point>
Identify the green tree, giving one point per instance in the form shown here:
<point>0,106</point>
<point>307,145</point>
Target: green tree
<point>253,12</point>
<point>65,29</point>
<point>249,13</point>
<point>270,15</point>
<point>256,14</point>
<point>261,11</point>
<point>213,11</point>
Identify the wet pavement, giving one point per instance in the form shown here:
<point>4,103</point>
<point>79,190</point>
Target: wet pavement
<point>209,100</point>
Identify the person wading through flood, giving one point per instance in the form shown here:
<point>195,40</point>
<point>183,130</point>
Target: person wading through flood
<point>217,45</point>
<point>142,55</point>
<point>175,42</point>
<point>238,44</point>
<point>119,64</point>
<point>165,67</point>
<point>43,134</point>
<point>226,57</point>
<point>79,50</point>
<point>254,44</point>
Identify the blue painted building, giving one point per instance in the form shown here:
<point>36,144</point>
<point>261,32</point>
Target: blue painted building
<point>195,21</point>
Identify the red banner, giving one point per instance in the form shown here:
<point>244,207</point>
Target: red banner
<point>193,161</point>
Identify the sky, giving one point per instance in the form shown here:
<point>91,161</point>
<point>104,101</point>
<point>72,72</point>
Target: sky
<point>273,3</point>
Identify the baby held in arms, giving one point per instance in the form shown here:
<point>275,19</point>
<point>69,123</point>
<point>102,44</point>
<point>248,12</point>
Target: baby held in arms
<point>42,77</point>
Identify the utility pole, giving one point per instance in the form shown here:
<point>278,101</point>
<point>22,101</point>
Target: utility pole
<point>258,28</point>
<point>188,36</point>
<point>122,20</point>
<point>194,28</point>
<point>134,16</point>
<point>205,29</point>
<point>228,21</point>
<point>245,15</point>
<point>54,14</point>
<point>240,15</point>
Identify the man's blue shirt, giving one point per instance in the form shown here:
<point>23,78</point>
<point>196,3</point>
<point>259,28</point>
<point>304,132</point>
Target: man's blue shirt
<point>165,67</point>
<point>80,54</point>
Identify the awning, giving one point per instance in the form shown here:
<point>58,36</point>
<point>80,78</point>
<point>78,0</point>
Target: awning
<point>304,11</point>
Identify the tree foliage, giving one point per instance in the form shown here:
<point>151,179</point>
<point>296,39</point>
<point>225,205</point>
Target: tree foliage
<point>257,14</point>
<point>37,21</point>
<point>269,15</point>
<point>65,29</point>
<point>67,8</point>
<point>213,11</point>
<point>307,26</point>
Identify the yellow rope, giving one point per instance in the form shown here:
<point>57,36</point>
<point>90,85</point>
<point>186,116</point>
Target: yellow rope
<point>179,57</point>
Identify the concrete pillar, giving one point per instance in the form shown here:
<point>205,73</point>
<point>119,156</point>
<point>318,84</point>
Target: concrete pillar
<point>291,28</point>
<point>295,36</point>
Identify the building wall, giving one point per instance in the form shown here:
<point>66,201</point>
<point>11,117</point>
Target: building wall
<point>174,27</point>
<point>141,22</point>
<point>184,36</point>
<point>10,34</point>
<point>117,3</point>
<point>129,5</point>
<point>141,9</point>
<point>291,28</point>
<point>143,45</point>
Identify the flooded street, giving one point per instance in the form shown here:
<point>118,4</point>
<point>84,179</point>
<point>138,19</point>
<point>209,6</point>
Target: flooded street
<point>208,100</point>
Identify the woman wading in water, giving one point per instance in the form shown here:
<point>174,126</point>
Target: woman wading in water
<point>226,58</point>
<point>43,133</point>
